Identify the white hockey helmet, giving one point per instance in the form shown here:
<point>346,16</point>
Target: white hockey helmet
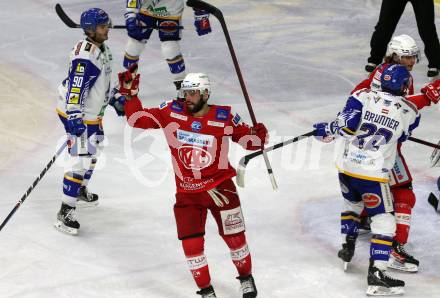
<point>196,81</point>
<point>403,45</point>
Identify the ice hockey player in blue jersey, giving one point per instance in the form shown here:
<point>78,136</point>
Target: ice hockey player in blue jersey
<point>367,132</point>
<point>163,13</point>
<point>83,97</point>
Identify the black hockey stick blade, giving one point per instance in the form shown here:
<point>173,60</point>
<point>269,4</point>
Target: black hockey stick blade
<point>71,24</point>
<point>198,4</point>
<point>245,159</point>
<point>65,18</point>
<point>433,200</point>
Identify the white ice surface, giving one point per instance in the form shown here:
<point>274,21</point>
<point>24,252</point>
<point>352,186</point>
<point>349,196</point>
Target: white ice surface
<point>299,59</point>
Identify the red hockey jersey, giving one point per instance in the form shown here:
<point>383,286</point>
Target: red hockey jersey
<point>199,145</point>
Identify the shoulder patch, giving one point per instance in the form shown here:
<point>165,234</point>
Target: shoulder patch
<point>88,47</point>
<point>411,105</point>
<point>236,120</point>
<point>222,114</point>
<point>163,105</point>
<point>176,106</point>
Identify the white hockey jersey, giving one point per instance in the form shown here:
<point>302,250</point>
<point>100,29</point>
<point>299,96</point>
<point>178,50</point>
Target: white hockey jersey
<point>371,124</point>
<point>87,85</point>
<point>156,8</point>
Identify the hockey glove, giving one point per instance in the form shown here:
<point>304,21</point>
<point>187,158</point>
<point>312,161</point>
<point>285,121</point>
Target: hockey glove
<point>432,91</point>
<point>134,27</point>
<point>75,124</point>
<point>325,131</point>
<point>129,81</point>
<point>260,131</point>
<point>201,22</point>
<point>117,101</point>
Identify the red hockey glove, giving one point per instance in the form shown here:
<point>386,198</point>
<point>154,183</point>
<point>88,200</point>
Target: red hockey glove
<point>260,131</point>
<point>129,81</point>
<point>432,91</point>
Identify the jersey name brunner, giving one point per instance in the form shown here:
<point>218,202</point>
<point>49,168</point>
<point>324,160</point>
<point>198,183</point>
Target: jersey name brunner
<point>381,119</point>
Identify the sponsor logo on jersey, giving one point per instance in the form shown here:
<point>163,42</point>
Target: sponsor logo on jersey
<point>371,200</point>
<point>385,111</point>
<point>132,4</point>
<point>387,102</point>
<point>177,106</point>
<point>88,47</point>
<point>80,69</point>
<point>397,105</point>
<point>178,116</point>
<point>379,252</point>
<point>215,123</point>
<point>194,158</point>
<point>221,114</point>
<point>169,23</point>
<point>196,126</point>
<point>193,138</point>
<point>163,105</point>
<point>73,98</point>
<point>75,90</point>
<point>236,120</point>
<point>376,99</point>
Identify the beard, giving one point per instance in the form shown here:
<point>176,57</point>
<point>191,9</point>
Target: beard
<point>197,107</point>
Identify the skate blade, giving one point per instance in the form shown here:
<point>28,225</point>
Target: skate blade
<point>345,266</point>
<point>85,204</point>
<point>65,229</point>
<point>407,267</point>
<point>384,291</point>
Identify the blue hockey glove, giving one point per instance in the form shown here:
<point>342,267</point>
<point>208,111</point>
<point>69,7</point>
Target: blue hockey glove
<point>325,131</point>
<point>117,101</point>
<point>134,27</point>
<point>201,22</point>
<point>75,124</point>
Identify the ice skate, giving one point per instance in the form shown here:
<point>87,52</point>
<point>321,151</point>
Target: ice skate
<point>86,198</point>
<point>207,292</point>
<point>370,67</point>
<point>401,260</point>
<point>380,284</point>
<point>347,251</point>
<point>248,288</point>
<point>66,220</point>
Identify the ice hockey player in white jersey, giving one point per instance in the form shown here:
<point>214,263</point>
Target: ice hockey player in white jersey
<point>83,97</point>
<point>367,132</point>
<point>163,13</point>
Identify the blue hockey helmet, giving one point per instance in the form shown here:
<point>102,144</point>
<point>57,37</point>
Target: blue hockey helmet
<point>94,17</point>
<point>395,79</point>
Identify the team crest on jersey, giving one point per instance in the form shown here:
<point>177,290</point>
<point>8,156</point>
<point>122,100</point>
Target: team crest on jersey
<point>177,106</point>
<point>194,158</point>
<point>196,126</point>
<point>236,120</point>
<point>371,200</point>
<point>221,114</point>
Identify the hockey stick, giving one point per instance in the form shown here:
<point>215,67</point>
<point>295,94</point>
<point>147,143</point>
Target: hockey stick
<point>433,201</point>
<point>71,24</point>
<point>198,4</point>
<point>426,143</point>
<point>23,198</point>
<point>245,159</point>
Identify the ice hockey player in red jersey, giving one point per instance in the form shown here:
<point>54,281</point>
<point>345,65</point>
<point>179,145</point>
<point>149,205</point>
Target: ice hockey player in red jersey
<point>198,137</point>
<point>402,50</point>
